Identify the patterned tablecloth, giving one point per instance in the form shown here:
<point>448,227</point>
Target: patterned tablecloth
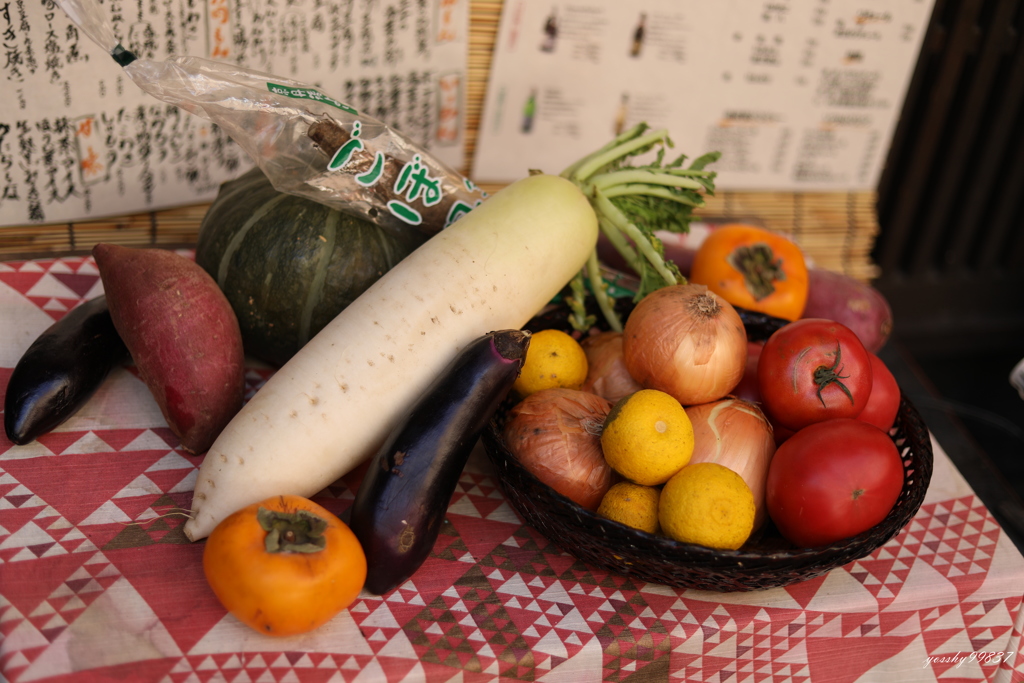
<point>98,583</point>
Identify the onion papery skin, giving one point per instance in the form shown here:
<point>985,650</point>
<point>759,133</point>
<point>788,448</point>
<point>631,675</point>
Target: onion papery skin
<point>607,374</point>
<point>687,341</point>
<point>556,435</point>
<point>735,433</point>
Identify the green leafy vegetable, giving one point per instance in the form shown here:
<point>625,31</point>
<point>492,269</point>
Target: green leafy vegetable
<point>632,202</point>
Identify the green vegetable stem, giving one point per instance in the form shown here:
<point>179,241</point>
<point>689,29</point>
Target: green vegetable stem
<point>631,203</point>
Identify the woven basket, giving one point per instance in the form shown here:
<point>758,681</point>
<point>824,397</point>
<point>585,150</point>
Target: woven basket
<point>765,561</point>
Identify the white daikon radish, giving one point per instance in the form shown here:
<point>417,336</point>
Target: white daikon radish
<point>333,404</point>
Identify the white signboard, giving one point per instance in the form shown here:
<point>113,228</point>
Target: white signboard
<point>797,95</point>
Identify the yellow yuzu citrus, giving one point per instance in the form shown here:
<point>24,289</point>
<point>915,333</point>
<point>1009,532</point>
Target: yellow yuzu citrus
<point>631,504</point>
<point>707,504</point>
<point>647,437</point>
<point>553,359</point>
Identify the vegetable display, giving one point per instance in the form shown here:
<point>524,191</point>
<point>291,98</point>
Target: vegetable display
<point>287,264</point>
<point>182,336</point>
<point>402,500</point>
<point>803,379</point>
<point>332,405</point>
<point>388,345</point>
<point>60,370</point>
<point>284,566</point>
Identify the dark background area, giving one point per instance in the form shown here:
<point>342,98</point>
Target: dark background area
<point>951,244</point>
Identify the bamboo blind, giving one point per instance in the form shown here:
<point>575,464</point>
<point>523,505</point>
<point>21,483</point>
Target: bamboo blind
<point>836,230</point>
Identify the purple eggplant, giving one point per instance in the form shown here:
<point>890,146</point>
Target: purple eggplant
<point>60,371</point>
<point>402,501</point>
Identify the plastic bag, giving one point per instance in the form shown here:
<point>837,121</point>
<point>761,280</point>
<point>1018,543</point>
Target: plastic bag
<point>307,143</point>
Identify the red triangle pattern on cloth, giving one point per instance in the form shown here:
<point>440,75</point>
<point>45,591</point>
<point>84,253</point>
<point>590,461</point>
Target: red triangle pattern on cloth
<point>853,656</point>
<point>27,584</point>
<point>73,483</point>
<point>146,572</point>
<point>117,439</point>
<point>58,442</point>
<point>55,307</point>
<point>22,281</point>
<point>5,378</point>
<point>145,670</point>
<point>78,283</point>
<point>494,598</point>
<point>478,534</point>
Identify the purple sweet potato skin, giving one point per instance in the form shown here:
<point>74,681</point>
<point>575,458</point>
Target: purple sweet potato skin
<point>857,305</point>
<point>182,335</point>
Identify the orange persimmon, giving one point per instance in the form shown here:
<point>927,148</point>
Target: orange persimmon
<point>753,268</point>
<point>284,566</point>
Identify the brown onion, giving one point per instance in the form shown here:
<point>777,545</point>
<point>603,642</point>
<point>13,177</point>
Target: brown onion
<point>607,374</point>
<point>735,433</point>
<point>556,435</point>
<point>687,341</point>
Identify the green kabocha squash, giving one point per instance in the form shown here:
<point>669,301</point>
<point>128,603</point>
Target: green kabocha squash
<point>289,265</point>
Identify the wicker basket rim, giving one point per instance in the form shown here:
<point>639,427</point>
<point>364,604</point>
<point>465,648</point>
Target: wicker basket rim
<point>912,495</point>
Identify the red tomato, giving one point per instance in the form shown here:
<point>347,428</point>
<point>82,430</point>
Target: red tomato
<point>781,434</point>
<point>884,402</point>
<point>813,370</point>
<point>832,480</point>
<point>747,389</point>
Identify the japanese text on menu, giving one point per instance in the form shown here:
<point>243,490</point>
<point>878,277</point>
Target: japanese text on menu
<point>78,139</point>
<point>795,94</point>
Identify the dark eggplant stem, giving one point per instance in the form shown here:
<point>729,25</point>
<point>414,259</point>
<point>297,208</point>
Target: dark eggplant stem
<point>512,345</point>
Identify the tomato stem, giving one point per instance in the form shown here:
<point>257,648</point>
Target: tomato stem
<point>292,532</point>
<point>823,376</point>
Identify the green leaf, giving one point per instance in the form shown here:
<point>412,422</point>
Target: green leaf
<point>637,201</point>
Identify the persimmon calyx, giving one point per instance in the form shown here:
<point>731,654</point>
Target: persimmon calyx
<point>759,267</point>
<point>292,532</point>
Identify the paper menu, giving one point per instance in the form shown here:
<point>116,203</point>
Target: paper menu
<point>78,139</point>
<point>798,95</point>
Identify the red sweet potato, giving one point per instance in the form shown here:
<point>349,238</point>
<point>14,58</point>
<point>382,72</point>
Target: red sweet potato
<point>851,302</point>
<point>182,335</point>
